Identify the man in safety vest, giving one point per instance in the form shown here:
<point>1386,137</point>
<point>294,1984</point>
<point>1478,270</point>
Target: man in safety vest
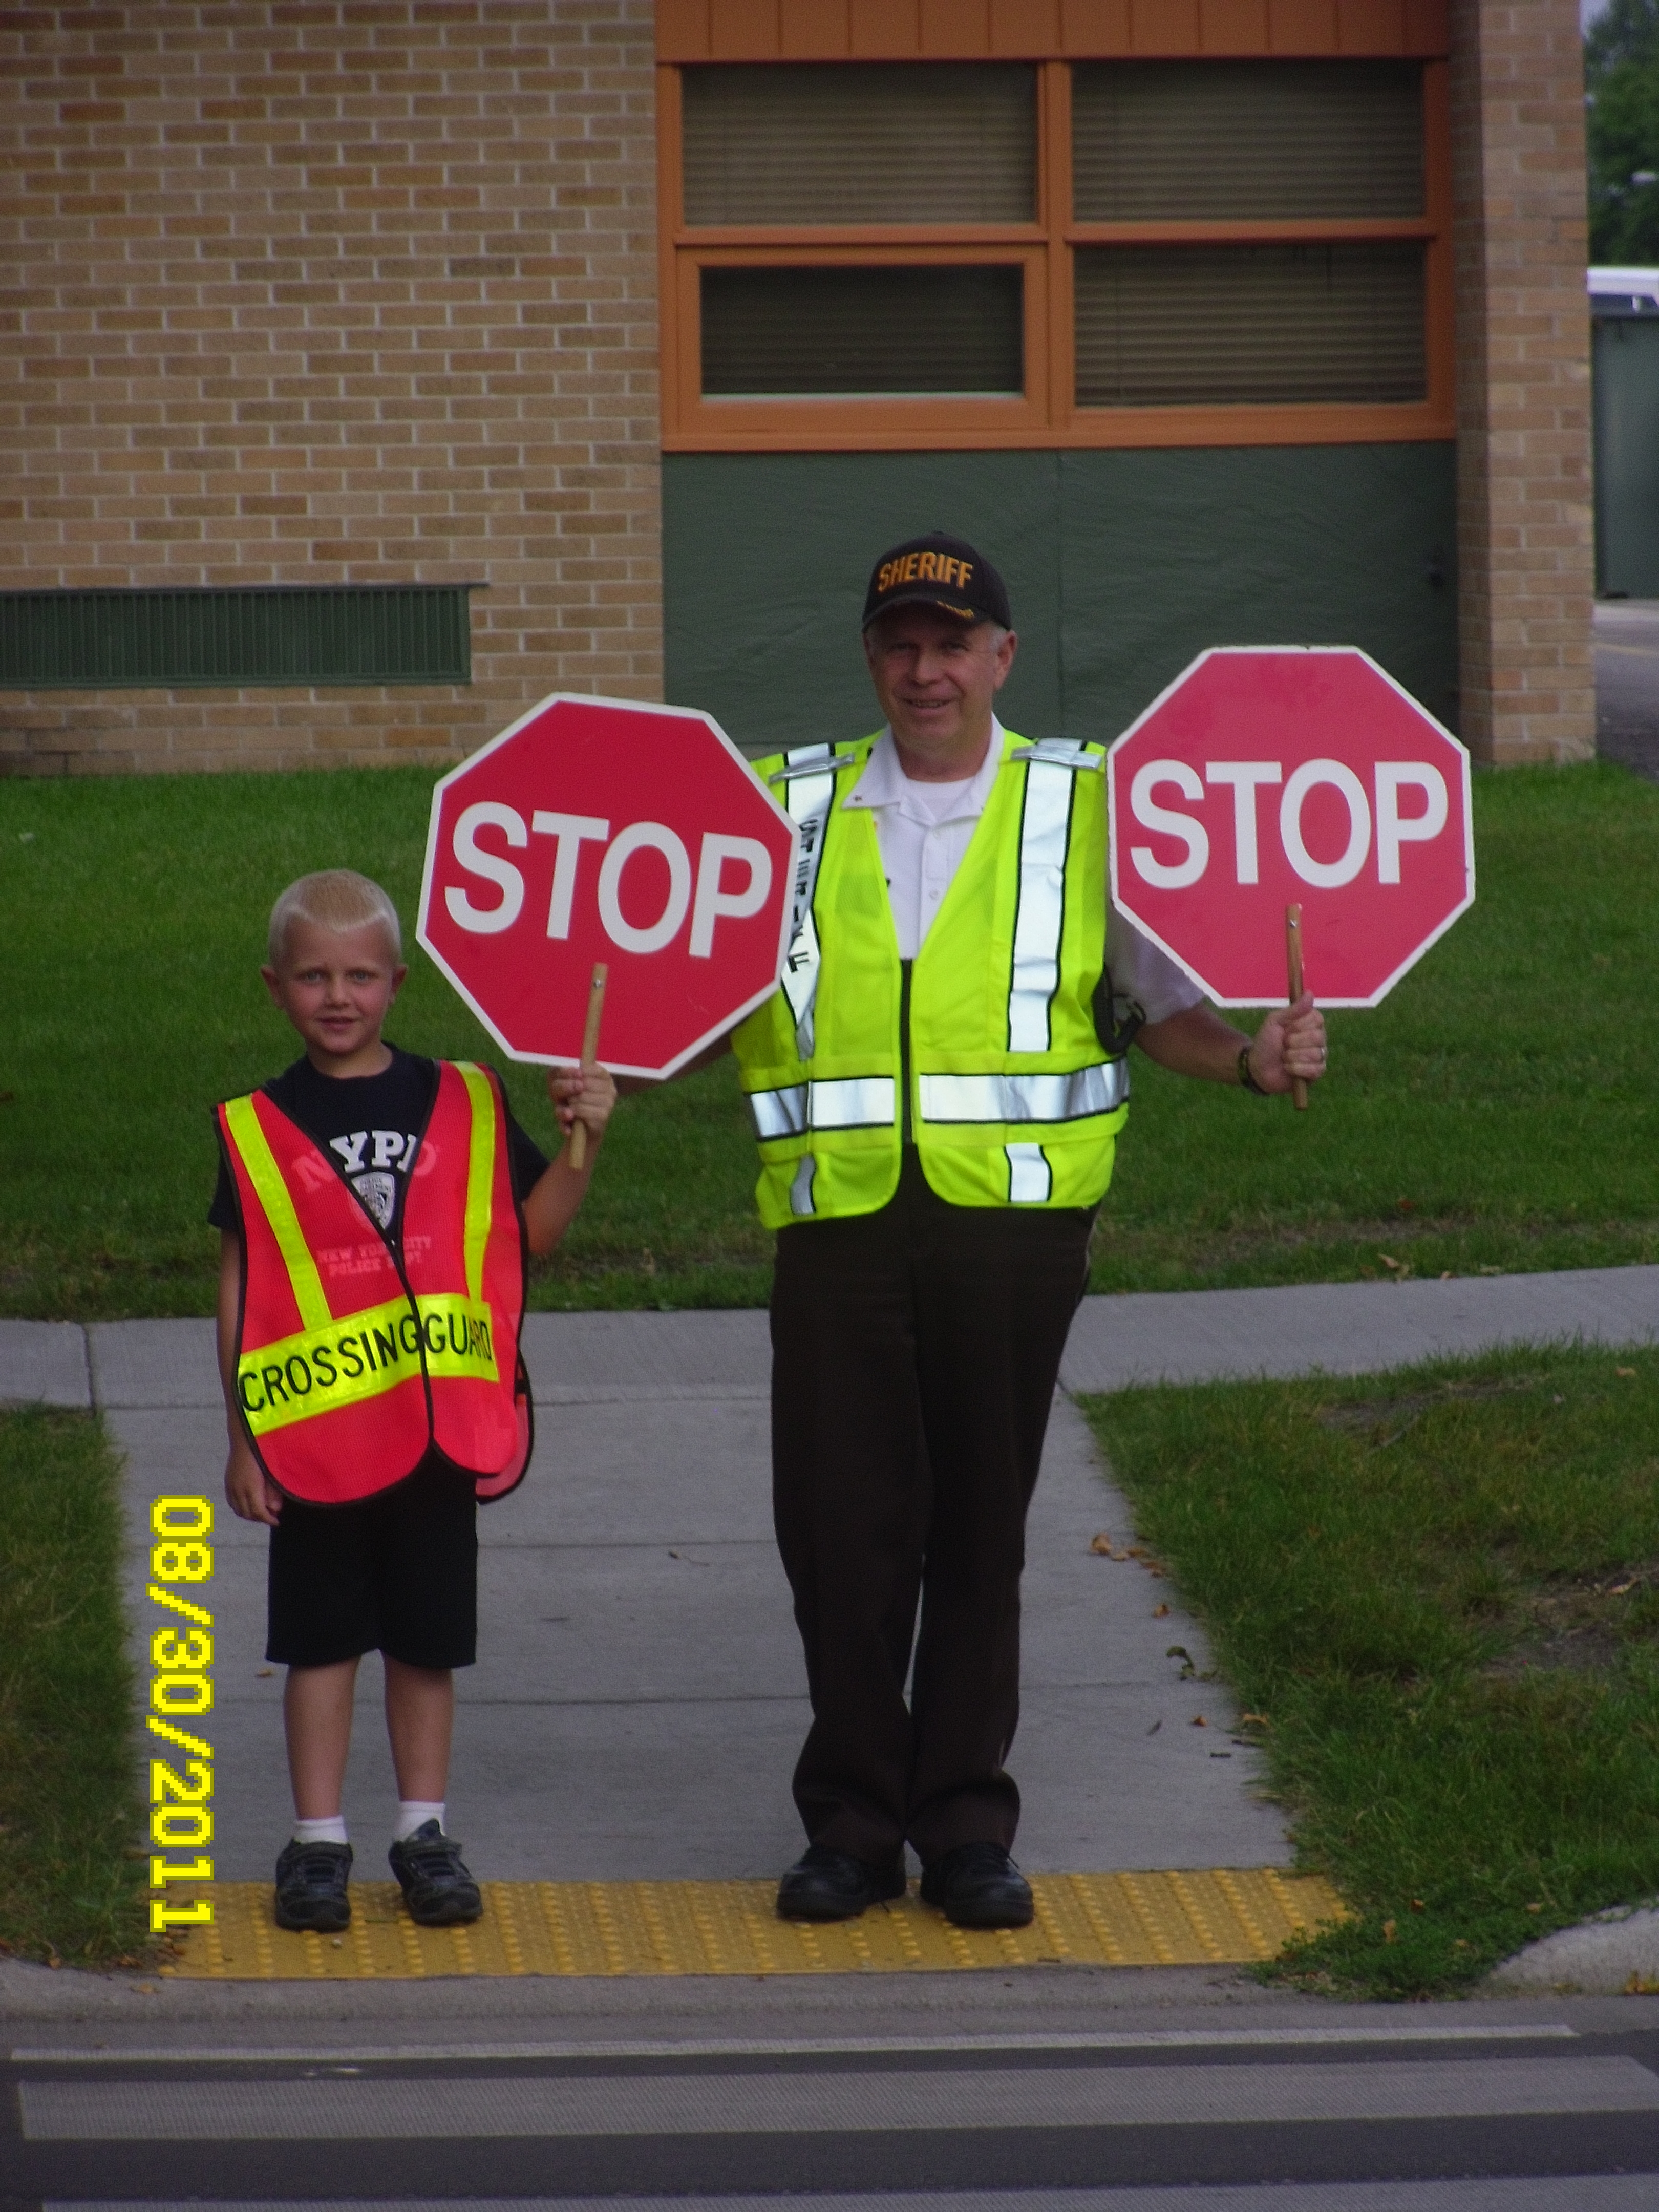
<point>375,1211</point>
<point>937,1089</point>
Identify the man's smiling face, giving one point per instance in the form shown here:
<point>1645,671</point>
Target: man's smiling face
<point>936,678</point>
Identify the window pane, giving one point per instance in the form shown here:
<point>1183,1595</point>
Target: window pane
<point>1171,141</point>
<point>1210,325</point>
<point>864,331</point>
<point>918,142</point>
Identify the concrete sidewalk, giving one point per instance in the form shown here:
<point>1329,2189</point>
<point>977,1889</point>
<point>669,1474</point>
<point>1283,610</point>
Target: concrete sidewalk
<point>639,1699</point>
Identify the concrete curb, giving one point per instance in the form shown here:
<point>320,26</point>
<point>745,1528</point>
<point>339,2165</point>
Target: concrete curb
<point>1616,1954</point>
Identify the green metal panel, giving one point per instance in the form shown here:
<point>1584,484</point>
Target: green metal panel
<point>1626,387</point>
<point>344,634</point>
<point>766,556</point>
<point>1167,552</point>
<point>1121,565</point>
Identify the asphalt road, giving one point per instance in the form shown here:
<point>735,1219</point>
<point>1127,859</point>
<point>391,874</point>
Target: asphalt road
<point>1461,2111</point>
<point>1627,682</point>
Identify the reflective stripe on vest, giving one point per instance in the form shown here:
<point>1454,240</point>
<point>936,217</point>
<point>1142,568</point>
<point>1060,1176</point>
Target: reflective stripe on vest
<point>1070,1097</point>
<point>1045,830</point>
<point>809,781</point>
<point>848,1101</point>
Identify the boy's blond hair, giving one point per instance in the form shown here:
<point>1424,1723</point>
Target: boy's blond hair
<point>333,898</point>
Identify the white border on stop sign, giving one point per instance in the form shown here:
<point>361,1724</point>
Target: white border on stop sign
<point>632,706</point>
<point>1349,652</point>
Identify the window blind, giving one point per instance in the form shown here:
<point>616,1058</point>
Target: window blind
<point>1223,325</point>
<point>801,332</point>
<point>1195,141</point>
<point>846,143</point>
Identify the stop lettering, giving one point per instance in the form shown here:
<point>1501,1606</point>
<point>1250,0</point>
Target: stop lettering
<point>1274,776</point>
<point>596,829</point>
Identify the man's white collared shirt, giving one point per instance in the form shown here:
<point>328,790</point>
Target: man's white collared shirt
<point>921,850</point>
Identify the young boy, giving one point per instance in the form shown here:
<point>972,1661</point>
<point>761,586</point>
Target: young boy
<point>374,1211</point>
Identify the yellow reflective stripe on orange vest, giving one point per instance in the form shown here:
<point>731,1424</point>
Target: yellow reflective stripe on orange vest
<point>366,1355</point>
<point>266,1177</point>
<point>480,1175</point>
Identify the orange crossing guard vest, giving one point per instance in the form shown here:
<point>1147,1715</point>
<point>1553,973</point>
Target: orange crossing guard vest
<point>352,1366</point>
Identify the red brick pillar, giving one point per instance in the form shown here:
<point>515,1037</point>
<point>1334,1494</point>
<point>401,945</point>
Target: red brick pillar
<point>1525,547</point>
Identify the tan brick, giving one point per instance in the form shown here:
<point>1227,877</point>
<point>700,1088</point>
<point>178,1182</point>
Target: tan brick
<point>1524,521</point>
<point>289,275</point>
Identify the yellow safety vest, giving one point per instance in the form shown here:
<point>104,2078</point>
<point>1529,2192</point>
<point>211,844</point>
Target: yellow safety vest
<point>1012,1098</point>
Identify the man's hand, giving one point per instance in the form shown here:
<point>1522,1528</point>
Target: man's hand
<point>252,1494</point>
<point>1290,1043</point>
<point>587,1094</point>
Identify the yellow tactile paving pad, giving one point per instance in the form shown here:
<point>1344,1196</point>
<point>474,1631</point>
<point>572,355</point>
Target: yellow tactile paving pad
<point>1228,1917</point>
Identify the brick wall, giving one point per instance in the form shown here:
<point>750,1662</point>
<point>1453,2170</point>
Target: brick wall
<point>333,291</point>
<point>1525,541</point>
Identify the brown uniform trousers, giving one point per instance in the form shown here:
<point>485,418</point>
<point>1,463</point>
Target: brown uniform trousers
<point>915,1352</point>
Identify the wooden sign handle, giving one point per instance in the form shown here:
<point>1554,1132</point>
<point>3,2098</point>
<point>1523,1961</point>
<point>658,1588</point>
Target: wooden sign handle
<point>590,1055</point>
<point>1293,976</point>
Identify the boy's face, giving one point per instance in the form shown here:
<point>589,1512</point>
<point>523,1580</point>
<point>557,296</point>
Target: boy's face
<point>336,986</point>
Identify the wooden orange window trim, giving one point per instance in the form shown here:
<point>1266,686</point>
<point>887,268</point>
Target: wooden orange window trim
<point>1047,30</point>
<point>1045,416</point>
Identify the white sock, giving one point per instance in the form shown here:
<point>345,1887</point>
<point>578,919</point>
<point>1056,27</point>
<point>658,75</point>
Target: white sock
<point>414,1812</point>
<point>332,1830</point>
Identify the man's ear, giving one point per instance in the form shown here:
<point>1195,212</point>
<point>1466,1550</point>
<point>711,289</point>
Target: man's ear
<point>1006,653</point>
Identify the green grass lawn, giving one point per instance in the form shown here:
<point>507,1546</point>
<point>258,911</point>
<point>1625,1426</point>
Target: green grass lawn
<point>72,1852</point>
<point>1499,1111</point>
<point>1439,1589</point>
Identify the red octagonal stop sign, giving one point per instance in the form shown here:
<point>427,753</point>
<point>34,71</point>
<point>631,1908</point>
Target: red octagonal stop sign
<point>1269,775</point>
<point>599,830</point>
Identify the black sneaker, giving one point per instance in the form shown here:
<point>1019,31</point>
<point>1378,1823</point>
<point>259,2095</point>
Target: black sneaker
<point>437,1888</point>
<point>978,1885</point>
<point>310,1887</point>
<point>830,1885</point>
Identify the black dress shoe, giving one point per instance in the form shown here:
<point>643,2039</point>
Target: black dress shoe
<point>828,1885</point>
<point>978,1885</point>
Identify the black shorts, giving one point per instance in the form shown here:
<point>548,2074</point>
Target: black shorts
<point>397,1573</point>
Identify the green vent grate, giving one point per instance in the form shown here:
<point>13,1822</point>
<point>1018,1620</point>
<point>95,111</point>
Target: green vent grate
<point>302,634</point>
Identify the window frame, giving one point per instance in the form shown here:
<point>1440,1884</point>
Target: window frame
<point>1048,415</point>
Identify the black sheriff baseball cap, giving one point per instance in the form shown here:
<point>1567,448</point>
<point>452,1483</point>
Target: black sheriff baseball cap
<point>938,571</point>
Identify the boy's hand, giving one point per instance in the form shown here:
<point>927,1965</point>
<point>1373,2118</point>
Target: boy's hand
<point>252,1494</point>
<point>585,1094</point>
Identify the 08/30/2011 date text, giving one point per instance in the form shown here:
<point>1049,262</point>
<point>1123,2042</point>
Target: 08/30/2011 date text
<point>180,1689</point>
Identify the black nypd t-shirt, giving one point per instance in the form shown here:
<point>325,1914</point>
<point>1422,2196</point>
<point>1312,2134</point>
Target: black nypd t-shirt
<point>370,1124</point>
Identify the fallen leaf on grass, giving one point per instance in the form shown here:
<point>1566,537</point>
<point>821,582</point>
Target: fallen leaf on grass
<point>1417,1905</point>
<point>1534,1908</point>
<point>1390,1931</point>
<point>1625,1371</point>
<point>1253,1720</point>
